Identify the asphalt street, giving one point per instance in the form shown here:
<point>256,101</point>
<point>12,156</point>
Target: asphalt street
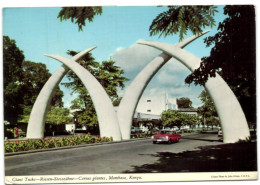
<point>102,159</point>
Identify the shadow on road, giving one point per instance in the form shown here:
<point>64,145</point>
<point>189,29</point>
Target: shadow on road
<point>201,139</point>
<point>218,158</point>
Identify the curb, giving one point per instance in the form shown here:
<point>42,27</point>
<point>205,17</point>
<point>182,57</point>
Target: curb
<point>70,147</point>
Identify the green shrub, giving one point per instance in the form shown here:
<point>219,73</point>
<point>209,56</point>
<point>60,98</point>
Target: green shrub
<point>34,144</point>
<point>140,135</point>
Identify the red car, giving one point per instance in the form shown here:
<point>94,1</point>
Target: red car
<point>166,136</point>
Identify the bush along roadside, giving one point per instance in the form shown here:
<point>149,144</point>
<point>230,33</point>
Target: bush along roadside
<point>44,143</point>
<point>140,135</point>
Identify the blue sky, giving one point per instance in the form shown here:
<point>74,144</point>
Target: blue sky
<point>38,31</point>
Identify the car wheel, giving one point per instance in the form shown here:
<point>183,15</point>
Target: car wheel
<point>177,140</point>
<point>154,142</point>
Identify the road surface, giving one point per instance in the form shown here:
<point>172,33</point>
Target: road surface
<point>124,157</point>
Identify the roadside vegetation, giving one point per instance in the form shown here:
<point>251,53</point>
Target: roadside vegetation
<point>45,143</point>
<point>56,142</point>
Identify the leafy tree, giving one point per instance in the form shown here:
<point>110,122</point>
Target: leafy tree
<point>80,14</point>
<point>12,65</point>
<point>35,75</point>
<point>207,110</point>
<point>208,106</point>
<point>233,56</point>
<point>58,115</point>
<point>180,19</point>
<point>109,76</point>
<point>191,120</point>
<point>171,118</point>
<point>184,102</point>
<point>212,121</point>
<point>86,113</point>
<point>23,81</point>
<point>175,19</point>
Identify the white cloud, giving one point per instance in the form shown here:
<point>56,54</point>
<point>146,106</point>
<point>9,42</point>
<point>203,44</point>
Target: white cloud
<point>133,59</point>
<point>170,78</point>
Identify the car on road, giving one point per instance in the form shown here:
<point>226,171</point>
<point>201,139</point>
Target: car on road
<point>166,136</point>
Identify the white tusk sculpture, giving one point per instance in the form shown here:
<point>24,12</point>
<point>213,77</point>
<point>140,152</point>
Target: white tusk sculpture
<point>232,118</point>
<point>36,124</point>
<point>134,92</point>
<point>107,118</point>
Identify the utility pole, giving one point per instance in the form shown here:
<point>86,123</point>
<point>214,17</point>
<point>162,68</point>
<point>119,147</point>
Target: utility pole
<point>166,101</point>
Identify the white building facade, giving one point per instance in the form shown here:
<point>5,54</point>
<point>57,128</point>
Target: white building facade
<point>156,105</point>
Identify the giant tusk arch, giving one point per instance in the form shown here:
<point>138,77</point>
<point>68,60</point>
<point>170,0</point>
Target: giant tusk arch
<point>36,124</point>
<point>231,115</point>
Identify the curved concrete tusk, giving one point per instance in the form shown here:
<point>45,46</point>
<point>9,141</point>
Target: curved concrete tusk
<point>107,118</point>
<point>82,53</point>
<point>37,118</point>
<point>185,42</point>
<point>134,92</point>
<point>168,49</point>
<point>231,115</point>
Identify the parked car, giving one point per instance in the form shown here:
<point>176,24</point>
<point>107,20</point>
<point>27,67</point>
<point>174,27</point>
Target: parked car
<point>135,130</point>
<point>220,134</point>
<point>144,129</point>
<point>174,128</point>
<point>185,129</point>
<point>166,136</point>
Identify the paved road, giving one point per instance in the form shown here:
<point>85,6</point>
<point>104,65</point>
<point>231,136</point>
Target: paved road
<point>101,159</point>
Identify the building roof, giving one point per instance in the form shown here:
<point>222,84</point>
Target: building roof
<point>140,115</point>
<point>187,110</point>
